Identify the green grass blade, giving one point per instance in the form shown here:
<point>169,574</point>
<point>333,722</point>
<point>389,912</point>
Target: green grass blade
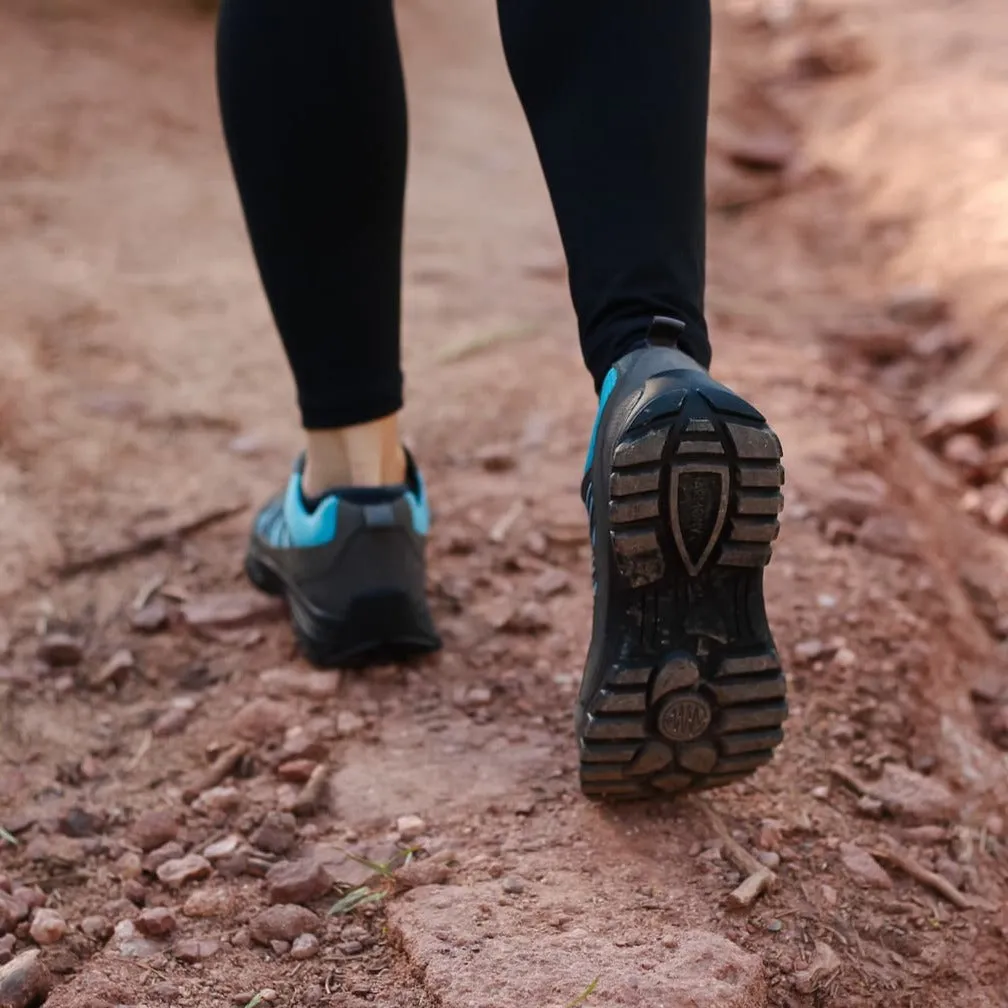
<point>584,995</point>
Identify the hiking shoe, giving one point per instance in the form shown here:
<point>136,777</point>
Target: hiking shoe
<point>683,687</point>
<point>351,567</point>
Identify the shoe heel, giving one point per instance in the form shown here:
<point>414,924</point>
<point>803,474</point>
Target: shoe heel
<point>262,577</point>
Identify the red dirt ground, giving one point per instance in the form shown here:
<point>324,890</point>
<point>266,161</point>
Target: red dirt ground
<point>141,388</point>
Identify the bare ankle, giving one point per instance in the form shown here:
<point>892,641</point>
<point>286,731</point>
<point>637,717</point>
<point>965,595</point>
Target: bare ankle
<point>368,454</point>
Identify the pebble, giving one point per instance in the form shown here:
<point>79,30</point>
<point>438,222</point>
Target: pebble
<point>863,868</point>
<point>222,848</point>
<point>297,881</point>
<point>47,927</point>
<point>284,682</point>
<point>242,938</point>
<point>821,792</point>
<point>280,947</point>
<point>409,827</point>
<point>78,822</point>
<point>276,834</point>
<point>154,828</point>
<point>351,948</point>
<point>156,922</point>
<point>221,800</point>
<point>30,896</point>
<point>305,946</point>
<point>166,991</point>
<point>59,650</point>
<point>348,723</point>
<point>513,885</point>
<point>192,950</point>
<point>179,871</point>
<point>770,859</point>
<point>7,943</point>
<point>207,903</point>
<point>283,922</point>
<point>170,851</point>
<point>97,928</point>
<point>24,981</point>
<point>298,770</point>
<point>129,865</point>
<point>478,696</point>
<point>963,413</point>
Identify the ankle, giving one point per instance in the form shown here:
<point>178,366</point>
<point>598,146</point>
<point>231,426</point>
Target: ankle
<point>369,454</point>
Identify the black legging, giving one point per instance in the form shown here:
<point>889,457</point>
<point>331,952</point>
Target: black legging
<point>314,113</point>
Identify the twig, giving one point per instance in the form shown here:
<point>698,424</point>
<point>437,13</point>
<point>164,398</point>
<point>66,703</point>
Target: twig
<point>217,771</point>
<point>751,888</point>
<point>735,852</point>
<point>312,793</point>
<point>148,590</point>
<point>149,542</point>
<point>503,525</point>
<point>915,870</point>
<point>145,744</point>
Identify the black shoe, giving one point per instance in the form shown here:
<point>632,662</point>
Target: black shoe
<point>351,568</point>
<point>683,687</point>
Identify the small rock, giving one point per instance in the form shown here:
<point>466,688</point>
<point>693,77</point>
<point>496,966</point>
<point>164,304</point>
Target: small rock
<point>59,650</point>
<point>156,922</point>
<point>994,507</point>
<point>154,828</point>
<point>305,946</point>
<point>218,800</point>
<point>47,927</point>
<point>810,650</point>
<point>918,306</point>
<point>151,618</point>
<point>912,796</point>
<point>97,928</point>
<point>870,806</point>
<point>191,950</point>
<point>423,873</point>
<point>966,453</point>
<point>276,834</point>
<point>135,892</point>
<point>409,827</point>
<point>964,413</point>
<point>12,912</point>
<point>170,851</point>
<point>261,721</point>
<point>78,822</point>
<point>821,792</point>
<point>889,535</point>
<point>24,981</point>
<point>165,990</point>
<point>207,903</point>
<point>348,723</point>
<point>528,618</point>
<point>242,939</point>
<point>5,883</point>
<point>296,771</point>
<point>513,885</point>
<point>285,682</point>
<point>552,581</point>
<point>771,859</point>
<point>179,871</point>
<point>863,868</point>
<point>478,696</point>
<point>30,896</point>
<point>351,948</point>
<point>280,948</point>
<point>222,848</point>
<point>7,943</point>
<point>231,609</point>
<point>176,717</point>
<point>284,922</point>
<point>950,870</point>
<point>297,882</point>
<point>854,498</point>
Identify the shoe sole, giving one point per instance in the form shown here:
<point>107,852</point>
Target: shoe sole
<point>697,698</point>
<point>376,630</point>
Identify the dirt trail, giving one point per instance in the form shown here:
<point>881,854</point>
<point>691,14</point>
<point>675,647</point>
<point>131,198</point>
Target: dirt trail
<point>141,384</point>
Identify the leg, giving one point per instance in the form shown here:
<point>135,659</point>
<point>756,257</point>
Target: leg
<point>682,687</point>
<point>616,95</point>
<point>314,115</point>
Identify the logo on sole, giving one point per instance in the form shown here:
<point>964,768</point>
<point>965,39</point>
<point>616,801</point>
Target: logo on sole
<point>684,718</point>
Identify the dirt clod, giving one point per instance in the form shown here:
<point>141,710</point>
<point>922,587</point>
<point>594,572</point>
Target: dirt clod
<point>191,950</point>
<point>913,797</point>
<point>156,922</point>
<point>154,828</point>
<point>96,927</point>
<point>863,868</point>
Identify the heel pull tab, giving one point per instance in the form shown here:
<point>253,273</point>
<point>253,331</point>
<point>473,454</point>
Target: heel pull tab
<point>665,331</point>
